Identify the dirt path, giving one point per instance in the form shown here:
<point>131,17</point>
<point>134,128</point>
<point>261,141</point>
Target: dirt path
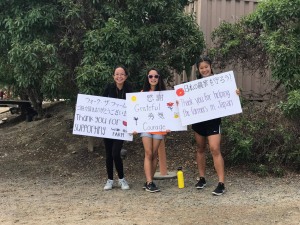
<point>48,177</point>
<point>83,201</point>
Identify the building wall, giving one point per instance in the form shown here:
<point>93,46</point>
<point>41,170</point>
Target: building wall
<point>210,14</point>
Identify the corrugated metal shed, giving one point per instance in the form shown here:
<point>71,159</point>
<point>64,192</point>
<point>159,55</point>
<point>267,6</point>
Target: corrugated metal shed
<point>210,13</point>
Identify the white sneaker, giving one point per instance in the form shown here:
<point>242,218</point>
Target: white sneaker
<point>109,185</point>
<point>123,184</point>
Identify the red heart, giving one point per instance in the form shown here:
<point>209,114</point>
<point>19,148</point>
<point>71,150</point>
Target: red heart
<point>124,123</point>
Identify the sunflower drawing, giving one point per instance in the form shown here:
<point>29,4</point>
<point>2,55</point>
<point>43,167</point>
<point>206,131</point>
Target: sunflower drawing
<point>133,99</point>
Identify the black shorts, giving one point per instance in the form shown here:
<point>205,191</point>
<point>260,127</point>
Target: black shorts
<point>208,128</point>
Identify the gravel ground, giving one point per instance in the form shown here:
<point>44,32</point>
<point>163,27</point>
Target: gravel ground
<point>48,177</point>
<point>248,200</point>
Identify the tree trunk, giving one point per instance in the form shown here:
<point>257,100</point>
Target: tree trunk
<point>36,102</point>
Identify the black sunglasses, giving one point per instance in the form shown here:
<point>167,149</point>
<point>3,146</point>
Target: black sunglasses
<point>155,76</point>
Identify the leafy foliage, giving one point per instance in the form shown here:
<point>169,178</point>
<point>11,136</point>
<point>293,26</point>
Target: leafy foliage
<point>291,107</point>
<point>262,137</point>
<point>58,48</point>
<point>267,38</point>
<point>143,34</point>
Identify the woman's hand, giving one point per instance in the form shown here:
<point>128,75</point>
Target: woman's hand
<point>238,92</point>
<point>168,131</point>
<point>134,132</point>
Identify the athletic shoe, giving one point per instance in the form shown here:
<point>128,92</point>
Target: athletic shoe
<point>151,187</point>
<point>220,189</point>
<point>201,184</point>
<point>109,185</point>
<point>123,184</point>
<point>145,185</point>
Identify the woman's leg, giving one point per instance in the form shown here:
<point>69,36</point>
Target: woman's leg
<point>155,146</point>
<point>116,154</point>
<point>214,145</point>
<point>150,164</point>
<point>201,147</point>
<point>162,158</point>
<point>109,158</point>
<point>147,142</point>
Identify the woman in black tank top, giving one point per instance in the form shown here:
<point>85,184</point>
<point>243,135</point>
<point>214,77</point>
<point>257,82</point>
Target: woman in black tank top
<point>212,131</point>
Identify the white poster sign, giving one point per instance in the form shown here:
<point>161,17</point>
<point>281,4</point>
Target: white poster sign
<point>153,112</point>
<point>208,98</point>
<point>101,117</point>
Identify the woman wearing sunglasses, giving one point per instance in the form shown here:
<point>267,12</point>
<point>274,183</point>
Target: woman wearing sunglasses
<point>151,141</point>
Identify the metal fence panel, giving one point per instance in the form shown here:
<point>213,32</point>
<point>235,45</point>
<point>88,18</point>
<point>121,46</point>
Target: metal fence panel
<point>210,14</point>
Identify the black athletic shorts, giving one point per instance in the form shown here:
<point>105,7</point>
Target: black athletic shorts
<point>208,128</point>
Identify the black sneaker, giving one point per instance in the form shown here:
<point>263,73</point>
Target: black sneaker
<point>145,185</point>
<point>201,184</point>
<point>151,187</point>
<point>220,189</point>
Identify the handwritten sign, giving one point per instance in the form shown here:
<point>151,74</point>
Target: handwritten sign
<point>208,98</point>
<point>101,117</point>
<point>153,112</point>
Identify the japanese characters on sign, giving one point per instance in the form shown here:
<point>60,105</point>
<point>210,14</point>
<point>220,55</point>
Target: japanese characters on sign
<point>208,98</point>
<point>101,117</point>
<point>152,112</point>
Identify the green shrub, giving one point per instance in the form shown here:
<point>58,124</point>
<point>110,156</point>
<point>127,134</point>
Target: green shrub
<point>262,137</point>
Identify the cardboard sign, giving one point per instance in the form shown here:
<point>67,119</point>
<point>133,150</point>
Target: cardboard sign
<point>208,98</point>
<point>153,112</point>
<point>101,117</point>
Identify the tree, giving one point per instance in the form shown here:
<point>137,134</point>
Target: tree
<point>62,47</point>
<point>139,34</point>
<point>30,44</point>
<point>267,38</point>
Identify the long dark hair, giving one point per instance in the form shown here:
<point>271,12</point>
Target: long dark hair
<point>160,85</point>
<point>126,86</point>
<point>204,59</point>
